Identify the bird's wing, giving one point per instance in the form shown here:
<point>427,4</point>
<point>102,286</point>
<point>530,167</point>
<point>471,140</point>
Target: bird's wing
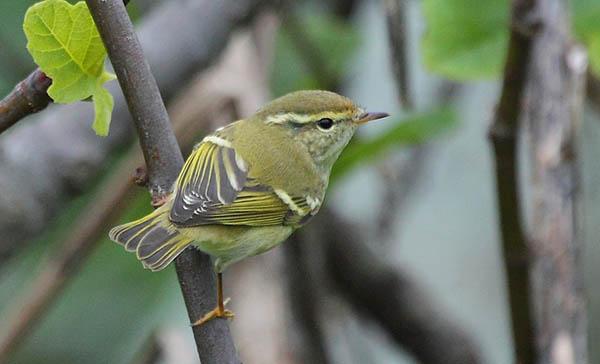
<point>213,188</point>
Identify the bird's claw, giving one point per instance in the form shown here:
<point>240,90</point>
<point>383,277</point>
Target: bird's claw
<point>217,312</point>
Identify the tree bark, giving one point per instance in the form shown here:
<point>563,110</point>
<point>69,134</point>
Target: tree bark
<point>398,38</point>
<point>554,105</point>
<point>29,96</point>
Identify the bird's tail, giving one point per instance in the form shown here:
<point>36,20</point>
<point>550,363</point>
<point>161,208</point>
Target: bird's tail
<point>153,238</point>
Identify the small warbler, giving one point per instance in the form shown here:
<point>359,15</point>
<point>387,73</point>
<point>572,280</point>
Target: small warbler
<point>245,188</point>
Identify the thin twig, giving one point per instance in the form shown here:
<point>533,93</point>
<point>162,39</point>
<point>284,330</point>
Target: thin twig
<point>163,160</point>
<point>399,176</point>
<point>503,135</point>
<point>304,302</point>
<point>401,179</point>
<point>29,96</point>
<point>398,35</point>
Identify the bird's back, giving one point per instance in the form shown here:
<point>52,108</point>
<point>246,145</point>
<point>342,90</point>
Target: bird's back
<point>284,163</point>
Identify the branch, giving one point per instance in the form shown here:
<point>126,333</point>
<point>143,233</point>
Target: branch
<point>29,96</point>
<point>398,35</point>
<point>503,135</point>
<point>554,108</point>
<point>401,178</point>
<point>180,37</point>
<point>390,298</point>
<point>303,296</point>
<point>163,160</point>
<point>161,152</point>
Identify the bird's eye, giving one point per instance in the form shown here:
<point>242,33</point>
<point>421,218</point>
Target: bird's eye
<point>325,124</point>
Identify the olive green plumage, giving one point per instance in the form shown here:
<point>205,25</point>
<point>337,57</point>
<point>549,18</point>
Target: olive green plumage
<point>245,188</point>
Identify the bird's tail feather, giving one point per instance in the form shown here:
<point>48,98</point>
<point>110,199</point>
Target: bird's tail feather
<point>154,240</point>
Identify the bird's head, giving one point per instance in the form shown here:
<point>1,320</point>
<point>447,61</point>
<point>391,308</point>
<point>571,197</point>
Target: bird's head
<point>321,121</point>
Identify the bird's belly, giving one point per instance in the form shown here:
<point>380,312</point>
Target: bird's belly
<point>229,244</point>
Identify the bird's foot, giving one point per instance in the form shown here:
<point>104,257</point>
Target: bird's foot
<point>217,312</point>
<point>160,199</point>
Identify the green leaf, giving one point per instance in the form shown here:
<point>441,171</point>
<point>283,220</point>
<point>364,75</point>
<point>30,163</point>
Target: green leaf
<point>587,29</point>
<point>103,105</point>
<point>465,39</point>
<point>412,130</point>
<point>65,44</point>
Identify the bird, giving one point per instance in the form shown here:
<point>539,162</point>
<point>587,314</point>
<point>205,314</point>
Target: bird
<point>246,187</point>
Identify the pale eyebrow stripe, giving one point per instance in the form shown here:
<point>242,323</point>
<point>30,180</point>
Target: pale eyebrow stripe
<point>305,118</point>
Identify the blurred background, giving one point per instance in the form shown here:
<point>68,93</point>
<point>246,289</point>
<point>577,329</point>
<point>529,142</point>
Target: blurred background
<point>414,195</point>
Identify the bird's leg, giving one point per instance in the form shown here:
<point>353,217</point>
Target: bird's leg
<point>220,310</point>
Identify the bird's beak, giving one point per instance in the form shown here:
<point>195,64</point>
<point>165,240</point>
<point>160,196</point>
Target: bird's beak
<point>368,116</point>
